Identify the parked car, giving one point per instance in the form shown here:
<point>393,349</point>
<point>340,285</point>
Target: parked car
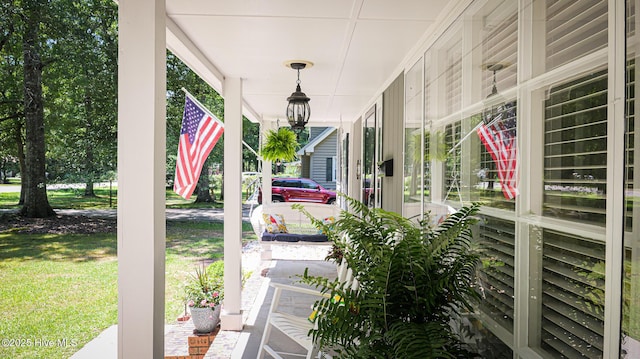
<point>298,190</point>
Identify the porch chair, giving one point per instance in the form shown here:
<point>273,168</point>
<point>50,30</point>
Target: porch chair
<point>295,327</point>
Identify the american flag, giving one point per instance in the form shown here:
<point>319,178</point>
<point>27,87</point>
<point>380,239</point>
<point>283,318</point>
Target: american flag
<point>499,138</point>
<point>199,133</point>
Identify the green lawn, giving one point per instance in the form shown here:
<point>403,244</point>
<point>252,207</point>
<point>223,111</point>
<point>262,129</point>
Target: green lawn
<point>12,182</point>
<point>75,199</point>
<point>60,291</point>
<point>68,199</point>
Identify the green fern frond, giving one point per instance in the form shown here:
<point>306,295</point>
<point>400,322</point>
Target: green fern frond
<point>280,145</point>
<point>412,278</point>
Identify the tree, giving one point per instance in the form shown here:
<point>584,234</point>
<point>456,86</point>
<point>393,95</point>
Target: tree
<point>83,88</point>
<point>36,203</point>
<point>180,76</point>
<point>251,136</point>
<point>11,88</point>
<point>58,93</point>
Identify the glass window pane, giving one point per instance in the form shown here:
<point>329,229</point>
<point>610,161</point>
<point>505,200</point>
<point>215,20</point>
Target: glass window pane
<point>427,118</point>
<point>499,44</point>
<point>630,344</point>
<point>454,77</point>
<point>496,170</point>
<point>369,160</point>
<point>569,300</point>
<point>572,29</point>
<point>412,176</point>
<point>575,150</point>
<point>496,274</point>
<point>452,165</point>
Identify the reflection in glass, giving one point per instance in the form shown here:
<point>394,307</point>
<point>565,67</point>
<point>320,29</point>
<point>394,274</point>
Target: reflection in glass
<point>496,272</point>
<point>452,138</point>
<point>575,150</point>
<point>569,300</point>
<point>369,162</point>
<point>573,29</point>
<point>497,171</point>
<point>630,343</point>
<point>413,142</point>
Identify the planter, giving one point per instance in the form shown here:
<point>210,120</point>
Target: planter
<point>205,319</point>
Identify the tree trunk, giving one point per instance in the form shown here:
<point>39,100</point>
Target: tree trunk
<point>89,167</point>
<point>36,203</point>
<point>21,161</point>
<point>203,192</point>
<point>88,189</point>
<point>222,187</point>
<point>3,171</point>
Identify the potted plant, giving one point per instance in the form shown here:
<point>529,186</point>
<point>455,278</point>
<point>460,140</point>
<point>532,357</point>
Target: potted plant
<point>414,281</point>
<point>279,145</point>
<point>204,294</point>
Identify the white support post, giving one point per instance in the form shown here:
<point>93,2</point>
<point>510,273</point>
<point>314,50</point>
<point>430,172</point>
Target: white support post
<point>231,317</point>
<point>614,255</point>
<point>266,253</point>
<point>141,178</point>
<point>267,173</point>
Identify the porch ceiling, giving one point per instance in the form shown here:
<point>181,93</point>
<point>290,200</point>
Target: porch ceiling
<point>357,47</point>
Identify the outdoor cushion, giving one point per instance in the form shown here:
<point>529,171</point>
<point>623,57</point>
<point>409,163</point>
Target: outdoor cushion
<point>293,237</point>
<point>327,221</point>
<point>274,223</point>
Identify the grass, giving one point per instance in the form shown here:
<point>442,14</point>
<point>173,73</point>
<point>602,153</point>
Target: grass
<point>75,199</point>
<point>58,288</point>
<point>67,198</point>
<point>62,289</point>
<point>175,201</point>
<point>12,182</point>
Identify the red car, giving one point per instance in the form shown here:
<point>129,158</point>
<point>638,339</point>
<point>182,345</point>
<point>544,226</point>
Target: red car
<point>298,190</point>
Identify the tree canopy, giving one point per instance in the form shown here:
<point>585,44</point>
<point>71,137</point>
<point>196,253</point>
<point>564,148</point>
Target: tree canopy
<point>58,98</point>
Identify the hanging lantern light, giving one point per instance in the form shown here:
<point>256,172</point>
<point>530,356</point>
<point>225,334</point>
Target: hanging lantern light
<point>298,110</point>
<point>494,103</point>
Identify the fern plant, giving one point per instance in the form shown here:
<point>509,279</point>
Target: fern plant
<point>413,278</point>
<point>280,145</point>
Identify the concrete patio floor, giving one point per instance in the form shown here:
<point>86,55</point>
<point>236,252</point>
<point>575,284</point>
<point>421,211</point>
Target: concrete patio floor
<point>289,262</point>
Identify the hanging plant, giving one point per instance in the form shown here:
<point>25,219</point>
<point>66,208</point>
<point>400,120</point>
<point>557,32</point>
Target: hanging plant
<point>280,145</point>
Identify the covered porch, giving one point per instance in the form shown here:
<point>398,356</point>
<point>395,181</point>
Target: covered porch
<point>410,86</point>
<point>354,50</point>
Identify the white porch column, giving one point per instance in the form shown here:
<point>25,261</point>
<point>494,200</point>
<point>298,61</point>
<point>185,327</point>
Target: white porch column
<point>231,317</point>
<point>141,173</point>
<point>267,172</point>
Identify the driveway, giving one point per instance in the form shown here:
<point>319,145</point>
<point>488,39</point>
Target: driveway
<point>196,214</point>
<point>191,214</point>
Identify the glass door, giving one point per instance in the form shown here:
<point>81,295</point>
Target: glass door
<point>371,140</point>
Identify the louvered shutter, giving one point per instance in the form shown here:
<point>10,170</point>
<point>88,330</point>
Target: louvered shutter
<point>500,45</point>
<point>572,323</point>
<point>574,29</point>
<point>496,275</point>
<point>630,137</point>
<point>575,150</point>
<point>454,77</point>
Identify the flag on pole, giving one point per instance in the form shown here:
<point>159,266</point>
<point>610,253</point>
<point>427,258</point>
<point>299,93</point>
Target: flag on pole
<point>199,133</point>
<point>499,138</point>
